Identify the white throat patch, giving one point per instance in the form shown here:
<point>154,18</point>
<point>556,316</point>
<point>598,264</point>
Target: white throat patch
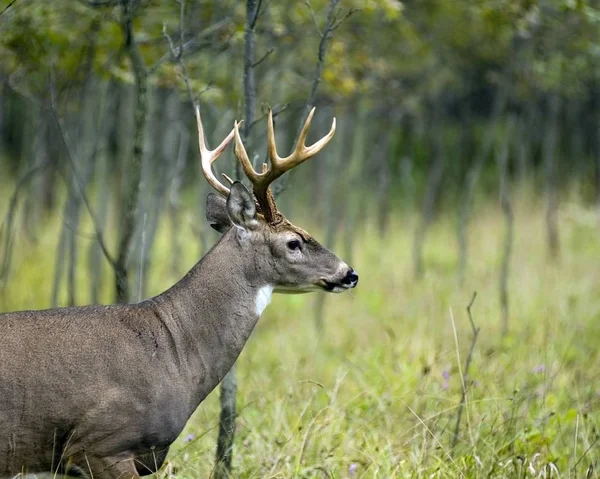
<point>263,298</point>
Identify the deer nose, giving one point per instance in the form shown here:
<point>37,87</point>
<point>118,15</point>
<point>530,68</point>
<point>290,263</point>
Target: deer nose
<point>351,278</point>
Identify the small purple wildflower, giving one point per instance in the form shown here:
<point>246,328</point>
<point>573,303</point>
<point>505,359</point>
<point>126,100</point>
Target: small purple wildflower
<point>540,368</point>
<point>190,437</point>
<point>446,377</point>
<point>352,469</point>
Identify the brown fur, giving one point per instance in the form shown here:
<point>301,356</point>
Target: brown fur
<point>104,390</point>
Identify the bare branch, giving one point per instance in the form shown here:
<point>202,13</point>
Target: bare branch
<point>6,226</point>
<point>463,397</point>
<point>314,17</point>
<point>192,45</point>
<point>263,58</point>
<point>320,64</point>
<point>23,94</point>
<point>76,176</point>
<point>308,105</point>
<point>176,53</point>
<point>276,111</point>
<point>257,13</point>
<point>473,327</point>
<point>10,4</point>
<point>348,14</point>
<point>181,28</point>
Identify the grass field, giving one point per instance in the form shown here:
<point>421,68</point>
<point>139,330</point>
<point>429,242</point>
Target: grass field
<point>375,394</point>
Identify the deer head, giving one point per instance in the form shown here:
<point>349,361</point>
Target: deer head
<point>285,257</point>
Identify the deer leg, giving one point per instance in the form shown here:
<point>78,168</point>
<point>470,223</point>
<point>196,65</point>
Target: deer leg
<point>103,467</point>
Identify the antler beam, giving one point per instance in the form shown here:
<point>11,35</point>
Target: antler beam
<point>208,157</point>
<point>261,181</point>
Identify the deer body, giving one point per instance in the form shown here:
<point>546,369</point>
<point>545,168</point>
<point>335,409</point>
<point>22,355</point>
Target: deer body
<point>102,391</point>
<point>159,359</point>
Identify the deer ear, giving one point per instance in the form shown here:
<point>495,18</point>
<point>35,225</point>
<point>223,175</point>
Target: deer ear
<point>241,207</point>
<point>216,212</point>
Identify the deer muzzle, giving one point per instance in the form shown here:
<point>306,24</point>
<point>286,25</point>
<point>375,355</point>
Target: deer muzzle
<point>349,280</point>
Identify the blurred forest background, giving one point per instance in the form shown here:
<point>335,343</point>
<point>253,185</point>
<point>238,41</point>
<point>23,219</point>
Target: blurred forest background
<point>467,157</point>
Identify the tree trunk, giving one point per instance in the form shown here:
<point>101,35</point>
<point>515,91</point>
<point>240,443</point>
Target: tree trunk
<point>384,174</point>
<point>598,165</point>
<point>503,158</point>
<point>249,83</point>
<point>106,148</point>
<point>329,191</point>
<point>352,206</point>
<point>226,425</point>
<point>550,153</point>
<point>434,183</point>
<point>43,150</point>
<point>598,181</point>
<point>160,148</point>
<point>85,128</point>
<point>312,96</point>
<point>523,149</point>
<point>183,144</point>
<point>132,193</point>
<point>468,190</point>
<point>47,193</point>
<point>316,80</point>
<point>87,152</point>
<point>95,254</point>
<point>7,227</point>
<point>227,417</point>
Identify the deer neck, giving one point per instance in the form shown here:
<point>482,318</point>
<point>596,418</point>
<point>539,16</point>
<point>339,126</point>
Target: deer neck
<point>213,311</point>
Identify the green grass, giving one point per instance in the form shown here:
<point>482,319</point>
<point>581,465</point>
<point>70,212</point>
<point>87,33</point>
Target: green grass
<point>375,394</point>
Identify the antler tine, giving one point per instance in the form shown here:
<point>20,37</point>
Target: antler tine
<point>208,157</point>
<point>313,149</point>
<point>261,181</point>
<point>242,155</point>
<point>300,144</point>
<point>301,151</point>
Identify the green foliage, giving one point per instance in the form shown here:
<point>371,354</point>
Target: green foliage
<point>434,46</point>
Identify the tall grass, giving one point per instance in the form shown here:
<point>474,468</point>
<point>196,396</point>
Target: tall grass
<point>375,394</point>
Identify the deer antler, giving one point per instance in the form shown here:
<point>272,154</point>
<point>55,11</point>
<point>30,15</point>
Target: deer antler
<point>208,157</point>
<point>261,181</point>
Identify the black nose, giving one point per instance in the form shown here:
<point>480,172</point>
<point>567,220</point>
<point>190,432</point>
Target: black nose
<point>351,277</point>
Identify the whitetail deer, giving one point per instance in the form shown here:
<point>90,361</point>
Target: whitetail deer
<point>103,391</point>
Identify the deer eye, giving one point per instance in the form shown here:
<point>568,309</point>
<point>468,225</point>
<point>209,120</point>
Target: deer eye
<point>294,245</point>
